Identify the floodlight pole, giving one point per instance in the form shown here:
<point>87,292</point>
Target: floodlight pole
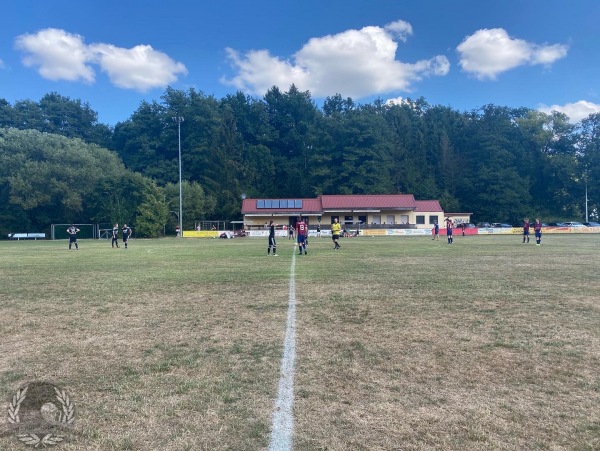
<point>179,120</point>
<point>587,218</point>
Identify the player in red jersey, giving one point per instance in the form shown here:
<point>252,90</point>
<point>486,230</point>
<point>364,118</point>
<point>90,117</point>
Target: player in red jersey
<point>526,230</point>
<point>302,233</point>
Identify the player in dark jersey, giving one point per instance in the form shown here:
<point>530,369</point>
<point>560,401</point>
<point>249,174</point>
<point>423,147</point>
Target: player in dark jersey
<point>436,231</point>
<point>72,231</point>
<point>126,234</point>
<point>537,228</point>
<point>449,227</point>
<point>302,232</point>
<point>115,236</point>
<point>272,243</point>
<point>526,230</point>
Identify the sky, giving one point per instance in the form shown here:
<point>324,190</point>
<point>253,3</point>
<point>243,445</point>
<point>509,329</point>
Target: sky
<point>113,55</point>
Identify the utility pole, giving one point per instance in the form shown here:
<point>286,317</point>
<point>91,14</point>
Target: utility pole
<point>179,120</point>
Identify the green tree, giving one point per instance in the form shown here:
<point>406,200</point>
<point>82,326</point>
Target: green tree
<point>73,119</point>
<point>142,142</point>
<point>151,216</point>
<point>197,205</point>
<point>357,151</point>
<point>495,189</point>
<point>49,176</point>
<point>590,161</point>
<point>58,115</point>
<point>291,117</point>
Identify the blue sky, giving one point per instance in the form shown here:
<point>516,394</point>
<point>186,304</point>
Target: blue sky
<point>541,54</point>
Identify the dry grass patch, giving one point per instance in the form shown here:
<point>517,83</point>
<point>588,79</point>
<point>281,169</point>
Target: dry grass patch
<point>161,361</point>
<point>479,353</point>
<point>401,343</point>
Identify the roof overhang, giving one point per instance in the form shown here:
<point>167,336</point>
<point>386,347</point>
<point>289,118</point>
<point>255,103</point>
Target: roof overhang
<point>294,213</point>
<point>370,210</point>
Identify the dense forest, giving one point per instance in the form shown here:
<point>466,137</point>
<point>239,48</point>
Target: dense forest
<point>58,164</point>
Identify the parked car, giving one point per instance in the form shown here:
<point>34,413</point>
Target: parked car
<point>592,224</point>
<point>501,225</point>
<point>483,225</point>
<point>557,224</point>
<point>574,224</point>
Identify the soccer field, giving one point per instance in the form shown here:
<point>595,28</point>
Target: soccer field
<point>400,343</point>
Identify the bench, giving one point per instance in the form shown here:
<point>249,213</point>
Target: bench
<point>24,236</point>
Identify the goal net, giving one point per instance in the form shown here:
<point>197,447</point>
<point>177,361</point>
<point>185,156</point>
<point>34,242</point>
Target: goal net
<point>59,231</point>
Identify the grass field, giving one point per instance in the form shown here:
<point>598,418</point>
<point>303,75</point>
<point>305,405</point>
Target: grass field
<point>401,343</point>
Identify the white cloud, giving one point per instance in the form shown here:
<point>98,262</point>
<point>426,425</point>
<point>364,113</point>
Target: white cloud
<point>141,68</point>
<point>489,52</point>
<point>60,55</point>
<point>354,63</point>
<point>395,101</point>
<point>400,29</point>
<point>575,111</point>
<point>57,54</point>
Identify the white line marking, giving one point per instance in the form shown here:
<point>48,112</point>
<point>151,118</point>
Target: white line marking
<point>283,417</point>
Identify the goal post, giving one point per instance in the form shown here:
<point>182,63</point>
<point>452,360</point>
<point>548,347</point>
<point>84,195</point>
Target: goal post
<point>59,231</point>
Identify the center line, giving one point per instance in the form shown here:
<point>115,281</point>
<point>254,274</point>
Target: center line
<point>283,418</point>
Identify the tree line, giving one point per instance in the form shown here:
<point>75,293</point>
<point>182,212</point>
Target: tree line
<point>59,164</point>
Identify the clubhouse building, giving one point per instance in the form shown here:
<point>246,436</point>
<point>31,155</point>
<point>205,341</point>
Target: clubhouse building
<point>364,212</point>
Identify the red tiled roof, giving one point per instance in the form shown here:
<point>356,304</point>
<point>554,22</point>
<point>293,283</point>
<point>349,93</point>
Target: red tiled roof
<point>311,206</point>
<point>367,201</point>
<point>349,202</point>
<point>428,205</point>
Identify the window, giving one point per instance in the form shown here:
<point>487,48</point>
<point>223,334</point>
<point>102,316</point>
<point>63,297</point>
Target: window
<point>376,219</point>
<point>433,219</point>
<point>420,219</point>
<point>348,219</point>
<point>279,203</point>
<point>391,219</point>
